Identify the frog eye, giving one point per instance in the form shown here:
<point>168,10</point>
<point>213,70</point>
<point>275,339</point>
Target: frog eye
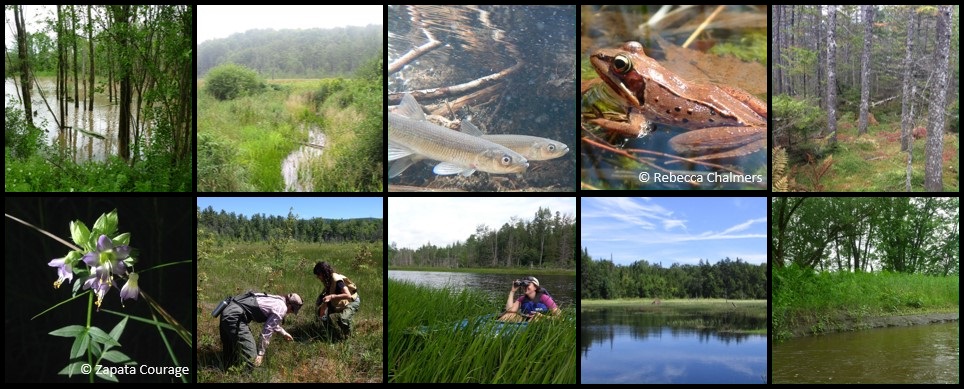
<point>506,160</point>
<point>622,64</point>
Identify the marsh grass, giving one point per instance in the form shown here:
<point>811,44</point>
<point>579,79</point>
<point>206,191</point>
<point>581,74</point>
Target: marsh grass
<point>693,313</point>
<point>314,355</point>
<point>424,345</point>
<point>259,131</point>
<point>804,295</point>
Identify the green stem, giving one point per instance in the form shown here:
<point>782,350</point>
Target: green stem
<point>90,306</point>
<point>163,265</point>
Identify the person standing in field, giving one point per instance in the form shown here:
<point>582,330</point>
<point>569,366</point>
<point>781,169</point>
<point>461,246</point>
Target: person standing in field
<point>339,301</point>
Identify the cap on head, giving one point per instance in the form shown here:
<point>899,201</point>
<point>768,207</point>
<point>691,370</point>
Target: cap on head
<point>294,300</point>
<point>533,280</point>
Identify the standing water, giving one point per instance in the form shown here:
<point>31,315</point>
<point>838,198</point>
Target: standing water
<point>103,121</point>
<point>917,354</point>
<point>296,168</point>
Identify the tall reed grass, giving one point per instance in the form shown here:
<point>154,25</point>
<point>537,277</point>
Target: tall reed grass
<point>425,346</point>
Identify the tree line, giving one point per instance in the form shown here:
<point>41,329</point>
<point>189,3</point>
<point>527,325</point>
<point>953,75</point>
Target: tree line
<point>899,234</point>
<point>310,53</point>
<point>545,241</point>
<point>261,228</point>
<point>729,279</point>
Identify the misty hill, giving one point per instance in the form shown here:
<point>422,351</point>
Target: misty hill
<point>311,53</point>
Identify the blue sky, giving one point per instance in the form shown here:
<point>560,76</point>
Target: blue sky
<point>681,230</point>
<point>305,207</point>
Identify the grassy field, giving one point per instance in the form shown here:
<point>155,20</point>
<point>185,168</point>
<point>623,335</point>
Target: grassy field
<point>242,142</point>
<point>312,357</point>
<point>498,270</point>
<point>801,296</point>
<point>425,347</point>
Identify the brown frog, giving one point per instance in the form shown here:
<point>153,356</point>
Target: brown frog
<point>723,122</point>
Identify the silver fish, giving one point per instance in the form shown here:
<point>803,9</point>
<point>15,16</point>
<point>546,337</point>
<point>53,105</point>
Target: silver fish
<point>458,153</point>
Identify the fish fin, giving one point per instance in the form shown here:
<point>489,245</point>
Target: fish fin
<point>399,166</point>
<point>447,168</point>
<point>396,151</point>
<point>471,129</point>
<point>410,108</point>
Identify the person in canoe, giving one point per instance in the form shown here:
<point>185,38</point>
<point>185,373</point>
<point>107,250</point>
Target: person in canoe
<point>534,303</point>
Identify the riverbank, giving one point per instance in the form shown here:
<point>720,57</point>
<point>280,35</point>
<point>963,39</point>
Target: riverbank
<point>816,324</point>
<point>807,302</point>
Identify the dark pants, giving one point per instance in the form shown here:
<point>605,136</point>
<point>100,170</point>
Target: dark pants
<point>340,323</point>
<point>237,341</point>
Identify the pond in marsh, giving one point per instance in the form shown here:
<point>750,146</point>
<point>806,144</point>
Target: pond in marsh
<point>916,354</point>
<point>296,167</point>
<point>628,345</point>
<point>103,121</point>
<point>561,288</point>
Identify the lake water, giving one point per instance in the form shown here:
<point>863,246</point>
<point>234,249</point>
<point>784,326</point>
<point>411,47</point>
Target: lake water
<point>103,120</point>
<point>633,346</point>
<point>916,354</point>
<point>561,288</point>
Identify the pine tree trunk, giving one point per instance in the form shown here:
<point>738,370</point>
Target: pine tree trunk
<point>933,157</point>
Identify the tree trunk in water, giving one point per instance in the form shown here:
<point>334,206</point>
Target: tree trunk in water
<point>933,176</point>
<point>24,63</point>
<point>73,34</point>
<point>122,13</point>
<point>90,50</point>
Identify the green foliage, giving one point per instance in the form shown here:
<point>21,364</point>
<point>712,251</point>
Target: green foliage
<point>725,279</point>
<point>752,47</point>
<point>230,81</point>
<point>217,167</point>
<point>309,53</point>
<point>22,139</point>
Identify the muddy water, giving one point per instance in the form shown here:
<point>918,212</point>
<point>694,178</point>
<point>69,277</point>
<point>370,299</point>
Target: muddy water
<point>295,168</point>
<point>916,354</point>
<point>103,120</point>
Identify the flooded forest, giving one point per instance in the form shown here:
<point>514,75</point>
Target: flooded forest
<point>99,98</point>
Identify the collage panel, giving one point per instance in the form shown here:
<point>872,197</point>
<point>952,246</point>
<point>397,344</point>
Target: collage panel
<point>673,290</point>
<point>503,76</point>
<point>290,289</point>
<point>290,98</point>
<point>867,98</point>
<point>486,294</point>
<point>95,289</point>
<point>674,97</point>
<point>865,290</point>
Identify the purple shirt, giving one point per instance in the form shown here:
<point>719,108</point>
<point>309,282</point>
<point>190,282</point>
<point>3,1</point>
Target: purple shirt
<point>544,298</point>
<point>275,308</point>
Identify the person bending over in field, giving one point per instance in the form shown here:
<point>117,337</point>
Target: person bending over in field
<point>236,312</point>
<point>339,301</point>
<point>533,304</point>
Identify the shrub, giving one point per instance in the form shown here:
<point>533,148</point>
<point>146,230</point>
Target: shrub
<point>229,81</point>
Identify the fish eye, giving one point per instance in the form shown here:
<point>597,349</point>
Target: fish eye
<point>552,147</point>
<point>506,159</point>
<point>622,64</point>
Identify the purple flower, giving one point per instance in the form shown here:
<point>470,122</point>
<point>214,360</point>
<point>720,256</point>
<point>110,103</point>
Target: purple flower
<point>100,281</point>
<point>64,270</point>
<point>109,256</point>
<point>130,289</point>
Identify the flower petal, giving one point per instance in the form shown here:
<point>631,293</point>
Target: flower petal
<point>57,262</point>
<point>92,259</point>
<point>104,243</point>
<point>122,252</point>
<point>120,268</point>
<point>130,289</point>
